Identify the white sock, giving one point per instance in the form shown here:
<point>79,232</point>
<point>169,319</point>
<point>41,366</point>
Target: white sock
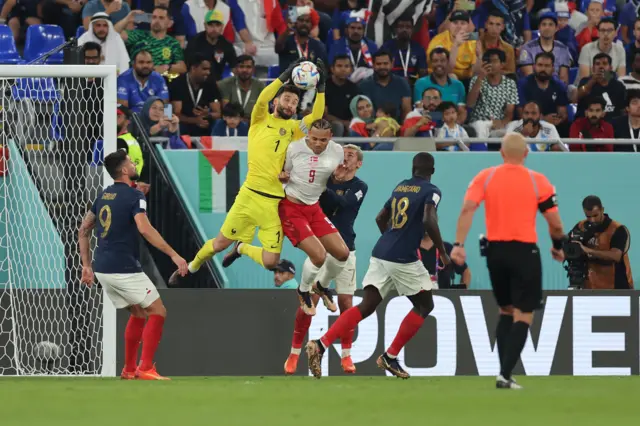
<point>346,353</point>
<point>295,351</point>
<point>391,356</point>
<point>192,268</point>
<point>331,269</point>
<point>309,274</point>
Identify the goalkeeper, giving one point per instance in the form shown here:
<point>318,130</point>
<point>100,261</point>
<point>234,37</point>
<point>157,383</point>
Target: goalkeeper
<point>120,211</point>
<point>257,202</point>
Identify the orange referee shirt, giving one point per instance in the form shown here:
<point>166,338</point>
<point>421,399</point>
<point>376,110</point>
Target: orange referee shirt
<point>512,196</point>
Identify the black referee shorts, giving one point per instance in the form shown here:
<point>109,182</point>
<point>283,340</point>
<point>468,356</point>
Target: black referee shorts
<point>515,271</point>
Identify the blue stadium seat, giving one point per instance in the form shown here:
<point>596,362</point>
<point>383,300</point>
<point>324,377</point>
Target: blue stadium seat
<point>573,73</point>
<point>41,39</point>
<point>227,71</point>
<point>8,52</point>
<point>40,89</point>
<point>273,72</point>
<point>535,34</point>
<point>79,31</point>
<point>571,112</point>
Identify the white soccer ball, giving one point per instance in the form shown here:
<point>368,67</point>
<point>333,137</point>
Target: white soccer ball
<point>305,76</point>
<point>46,351</point>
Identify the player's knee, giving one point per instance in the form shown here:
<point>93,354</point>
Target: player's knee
<point>270,263</point>
<point>343,254</point>
<point>318,258</point>
<point>156,308</point>
<point>366,309</point>
<point>506,310</point>
<point>426,307</point>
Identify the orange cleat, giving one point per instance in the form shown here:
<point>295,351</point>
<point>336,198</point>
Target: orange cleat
<point>291,364</point>
<point>150,374</point>
<point>128,375</point>
<point>347,365</point>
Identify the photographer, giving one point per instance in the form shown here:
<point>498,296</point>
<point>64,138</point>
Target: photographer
<point>597,250</point>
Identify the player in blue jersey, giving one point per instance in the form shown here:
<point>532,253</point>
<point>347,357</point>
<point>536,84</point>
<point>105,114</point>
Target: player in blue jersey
<point>341,203</point>
<point>119,214</point>
<point>394,265</point>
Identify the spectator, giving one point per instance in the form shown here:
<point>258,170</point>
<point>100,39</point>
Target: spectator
<point>118,10</point>
<point>21,14</point>
<point>450,128</point>
<point>422,121</point>
<point>603,82</point>
<point>492,95</point>
<point>139,83</point>
<point>296,7</point>
<point>339,93</point>
<point>196,103</point>
<point>210,43</point>
<point>166,50</point>
<point>154,120</point>
<point>242,88</point>
<point>295,42</point>
<point>384,126</point>
<point>385,87</point>
<point>628,21</point>
<point>589,34</point>
<point>127,142</point>
<point>546,43</point>
<point>263,19</point>
<point>444,9</point>
<point>608,6</point>
<point>634,46</point>
<point>491,39</point>
<point>231,123</point>
<point>440,273</point>
<point>409,59</point>
<point>533,127</point>
<point>101,31</point>
<point>517,23</point>
<point>345,7</point>
<point>178,29</point>
<point>462,52</point>
<point>354,44</point>
<point>565,34</point>
<point>547,91</point>
<point>592,126</point>
<point>362,111</point>
<point>194,12</point>
<point>605,44</point>
<point>632,81</point>
<point>452,90</point>
<point>628,127</point>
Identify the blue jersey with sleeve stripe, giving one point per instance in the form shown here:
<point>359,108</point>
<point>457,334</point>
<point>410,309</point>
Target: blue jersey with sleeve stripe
<point>118,250</point>
<point>401,240</point>
<point>341,203</point>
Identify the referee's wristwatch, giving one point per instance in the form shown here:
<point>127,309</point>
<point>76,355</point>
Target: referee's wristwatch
<point>461,245</point>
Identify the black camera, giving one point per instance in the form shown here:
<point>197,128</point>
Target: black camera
<point>577,267</point>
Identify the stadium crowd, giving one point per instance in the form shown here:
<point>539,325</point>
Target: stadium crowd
<point>430,68</point>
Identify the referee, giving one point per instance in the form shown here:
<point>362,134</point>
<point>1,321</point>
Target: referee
<point>512,194</point>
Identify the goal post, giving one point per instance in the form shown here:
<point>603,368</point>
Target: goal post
<point>50,119</point>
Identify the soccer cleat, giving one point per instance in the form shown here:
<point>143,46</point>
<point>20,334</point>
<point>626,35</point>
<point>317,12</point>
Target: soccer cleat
<point>175,279</point>
<point>232,256</point>
<point>502,383</point>
<point>128,375</point>
<point>315,351</point>
<point>392,366</point>
<point>326,295</point>
<point>347,365</point>
<point>306,304</point>
<point>291,364</point>
<point>150,374</point>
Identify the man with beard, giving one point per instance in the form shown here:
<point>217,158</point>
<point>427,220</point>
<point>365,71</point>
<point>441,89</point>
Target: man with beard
<point>166,51</point>
<point>101,31</point>
<point>547,91</point>
<point>340,92</point>
<point>409,58</point>
<point>138,83</point>
<point>354,44</point>
<point>295,43</point>
<point>242,88</point>
<point>451,90</point>
<point>632,81</point>
<point>546,43</point>
<point>592,126</point>
<point>628,127</point>
<point>603,82</point>
<point>210,42</point>
<point>606,43</point>
<point>383,87</point>
<point>532,127</point>
<point>196,103</point>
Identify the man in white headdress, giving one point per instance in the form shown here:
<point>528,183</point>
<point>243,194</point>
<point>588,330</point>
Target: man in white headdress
<point>114,51</point>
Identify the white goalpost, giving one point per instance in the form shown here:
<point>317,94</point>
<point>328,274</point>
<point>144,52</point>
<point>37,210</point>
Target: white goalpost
<point>50,119</point>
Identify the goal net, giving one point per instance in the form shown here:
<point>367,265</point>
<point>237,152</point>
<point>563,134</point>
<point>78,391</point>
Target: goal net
<point>50,119</point>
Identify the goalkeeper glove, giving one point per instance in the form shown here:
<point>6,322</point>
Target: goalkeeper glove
<point>322,81</point>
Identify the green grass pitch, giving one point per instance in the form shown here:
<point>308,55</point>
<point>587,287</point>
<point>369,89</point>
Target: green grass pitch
<point>331,401</point>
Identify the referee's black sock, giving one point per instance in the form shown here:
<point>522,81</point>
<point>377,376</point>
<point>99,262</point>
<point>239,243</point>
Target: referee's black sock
<point>515,343</point>
<point>502,335</point>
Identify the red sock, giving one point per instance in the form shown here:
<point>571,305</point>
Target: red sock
<point>346,322</point>
<point>409,327</point>
<point>347,340</point>
<point>300,328</point>
<point>132,337</point>
<point>151,338</point>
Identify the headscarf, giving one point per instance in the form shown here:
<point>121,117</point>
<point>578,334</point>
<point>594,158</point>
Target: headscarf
<point>358,125</point>
<point>114,50</point>
<point>147,122</point>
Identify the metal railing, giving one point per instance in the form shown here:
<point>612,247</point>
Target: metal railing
<point>168,214</point>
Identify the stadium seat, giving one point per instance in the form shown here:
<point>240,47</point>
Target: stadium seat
<point>573,73</point>
<point>571,112</point>
<point>41,39</point>
<point>79,31</point>
<point>535,34</point>
<point>273,71</point>
<point>40,89</point>
<point>8,52</point>
<point>227,71</point>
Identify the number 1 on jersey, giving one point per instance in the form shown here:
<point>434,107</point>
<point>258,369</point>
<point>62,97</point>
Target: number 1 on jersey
<point>399,212</point>
<point>277,145</point>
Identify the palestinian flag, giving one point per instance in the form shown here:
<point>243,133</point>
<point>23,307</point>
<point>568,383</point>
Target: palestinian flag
<point>218,180</point>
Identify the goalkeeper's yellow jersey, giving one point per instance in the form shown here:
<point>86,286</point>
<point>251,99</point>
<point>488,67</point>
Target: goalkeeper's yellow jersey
<point>269,138</point>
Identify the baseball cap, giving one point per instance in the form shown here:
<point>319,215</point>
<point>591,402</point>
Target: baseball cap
<point>123,110</point>
<point>549,15</point>
<point>285,266</point>
<point>214,16</point>
<point>459,15</point>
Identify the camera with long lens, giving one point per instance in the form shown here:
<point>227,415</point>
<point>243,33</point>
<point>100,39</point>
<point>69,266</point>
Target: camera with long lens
<point>577,266</point>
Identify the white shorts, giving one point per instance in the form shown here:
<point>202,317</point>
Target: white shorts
<point>345,282</point>
<point>126,290</point>
<point>406,278</point>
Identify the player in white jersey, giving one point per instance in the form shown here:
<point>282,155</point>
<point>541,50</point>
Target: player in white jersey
<point>309,164</point>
